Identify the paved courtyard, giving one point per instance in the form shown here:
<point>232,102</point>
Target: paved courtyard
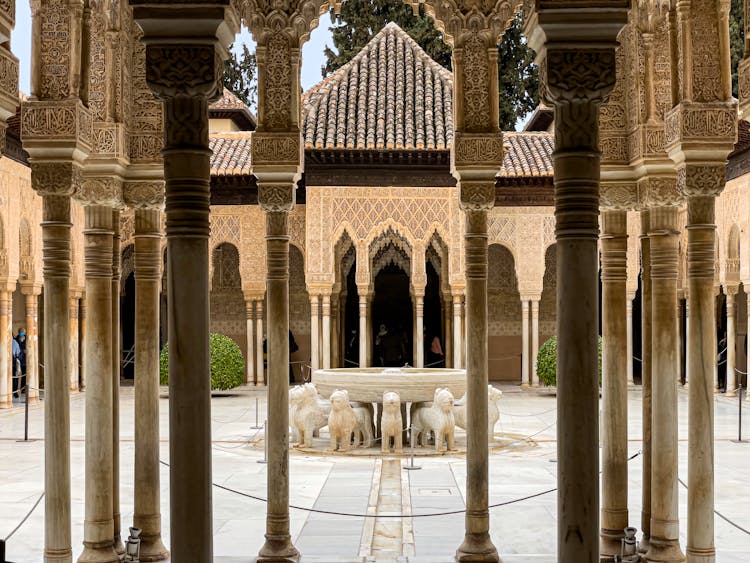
<point>523,531</point>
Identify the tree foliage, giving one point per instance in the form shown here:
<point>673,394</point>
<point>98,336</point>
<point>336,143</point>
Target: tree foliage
<point>736,40</point>
<point>240,75</point>
<point>227,363</point>
<point>360,20</point>
<point>546,362</point>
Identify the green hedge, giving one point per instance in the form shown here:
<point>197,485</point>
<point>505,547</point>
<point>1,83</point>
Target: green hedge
<point>546,362</point>
<point>227,363</point>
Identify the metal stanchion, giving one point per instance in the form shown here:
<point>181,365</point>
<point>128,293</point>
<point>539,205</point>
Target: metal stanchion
<point>256,427</point>
<point>739,405</point>
<point>411,465</point>
<point>265,443</point>
<point>26,415</point>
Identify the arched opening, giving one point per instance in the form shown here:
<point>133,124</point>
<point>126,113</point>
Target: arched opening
<point>299,311</point>
<point>345,324</point>
<point>18,314</point>
<point>548,302</point>
<point>504,316</point>
<point>227,301</point>
<point>436,258</point>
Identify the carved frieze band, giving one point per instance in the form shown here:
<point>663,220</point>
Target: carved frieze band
<point>276,149</point>
<point>479,149</point>
<point>9,76</point>
<point>701,122</point>
<point>67,120</point>
<point>110,139</point>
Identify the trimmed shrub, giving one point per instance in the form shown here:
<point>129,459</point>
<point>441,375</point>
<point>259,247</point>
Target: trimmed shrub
<point>227,363</point>
<point>546,362</point>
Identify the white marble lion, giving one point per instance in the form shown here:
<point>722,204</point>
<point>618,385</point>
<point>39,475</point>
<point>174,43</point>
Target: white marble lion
<point>437,418</point>
<point>308,413</point>
<point>363,433</point>
<point>392,423</point>
<point>341,421</point>
<point>493,411</point>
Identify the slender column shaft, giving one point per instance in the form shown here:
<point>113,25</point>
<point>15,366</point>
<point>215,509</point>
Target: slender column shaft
<point>147,515</point>
<point>261,377</point>
<point>477,539</point>
<point>75,360</point>
<point>447,332</point>
<point>250,373</point>
<point>731,346</point>
<point>6,356</point>
<point>98,531</point>
<point>82,329</point>
<point>525,359</point>
<point>681,341</point>
<point>664,541</point>
<point>646,314</point>
<point>363,330</point>
<point>32,347</point>
<point>56,224</point>
<point>116,355</point>
<point>419,340</point>
<point>314,333</point>
<point>187,172</point>
<point>614,514</point>
<point>534,341</point>
<point>326,311</point>
<point>576,162</point>
<point>702,351</point>
<point>335,331</point>
<point>278,545</point>
<point>629,336</point>
<point>457,333</point>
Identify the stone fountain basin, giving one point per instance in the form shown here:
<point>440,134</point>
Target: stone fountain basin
<point>368,384</point>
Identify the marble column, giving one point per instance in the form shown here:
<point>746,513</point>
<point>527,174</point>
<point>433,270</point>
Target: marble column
<point>314,332</point>
<point>534,341</point>
<point>278,545</point>
<point>326,331</point>
<point>525,359</point>
<point>701,348</point>
<point>75,361</point>
<point>82,330</point>
<point>731,389</point>
<point>476,199</point>
<point>447,331</point>
<point>31,297</point>
<point>363,336</point>
<point>646,400</point>
<point>251,377</point>
<point>335,330</point>
<point>664,236</point>
<point>419,337</point>
<point>687,331</point>
<point>629,331</point>
<point>6,356</point>
<point>457,332</point>
<point>614,512</point>
<point>148,274</point>
<point>259,335</point>
<point>116,365</point>
<point>56,225</point>
<point>98,531</point>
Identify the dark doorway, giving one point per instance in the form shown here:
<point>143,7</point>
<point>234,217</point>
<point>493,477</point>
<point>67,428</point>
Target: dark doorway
<point>392,307</point>
<point>127,322</point>
<point>351,319</point>
<point>433,318</point>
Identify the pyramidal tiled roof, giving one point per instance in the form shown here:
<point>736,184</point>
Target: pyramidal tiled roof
<point>391,95</point>
<point>230,153</point>
<point>527,154</point>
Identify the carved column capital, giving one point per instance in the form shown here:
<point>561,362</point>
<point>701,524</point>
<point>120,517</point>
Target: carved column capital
<point>143,194</point>
<point>61,178</point>
<point>618,196</point>
<point>100,190</point>
<point>659,191</point>
<point>614,239</point>
<point>276,198</point>
<point>579,75</point>
<point>183,69</point>
<point>477,196</point>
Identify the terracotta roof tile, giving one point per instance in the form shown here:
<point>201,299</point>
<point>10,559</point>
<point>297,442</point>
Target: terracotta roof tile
<point>231,153</point>
<point>527,154</point>
<point>228,100</point>
<point>391,95</point>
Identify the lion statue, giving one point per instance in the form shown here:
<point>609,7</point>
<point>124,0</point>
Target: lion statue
<point>392,424</point>
<point>437,418</point>
<point>342,421</point>
<point>308,413</point>
<point>493,411</point>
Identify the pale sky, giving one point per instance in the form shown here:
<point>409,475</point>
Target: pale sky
<point>312,51</point>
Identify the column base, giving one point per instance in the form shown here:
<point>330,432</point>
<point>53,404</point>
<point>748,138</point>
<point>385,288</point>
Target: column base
<point>525,386</point>
<point>696,555</point>
<point>610,544</point>
<point>278,551</point>
<point>119,546</point>
<point>152,549</point>
<point>33,400</point>
<point>645,544</point>
<point>58,556</point>
<point>664,551</point>
<point>99,554</point>
<point>731,393</point>
<point>6,404</point>
<point>477,548</point>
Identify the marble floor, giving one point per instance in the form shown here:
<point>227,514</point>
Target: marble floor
<point>522,465</point>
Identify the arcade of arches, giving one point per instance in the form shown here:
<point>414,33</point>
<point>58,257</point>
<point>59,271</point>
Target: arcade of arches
<point>626,213</point>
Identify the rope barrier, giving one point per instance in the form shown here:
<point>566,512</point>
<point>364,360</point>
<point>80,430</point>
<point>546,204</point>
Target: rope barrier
<point>357,515</point>
<point>720,515</point>
<point>23,521</point>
